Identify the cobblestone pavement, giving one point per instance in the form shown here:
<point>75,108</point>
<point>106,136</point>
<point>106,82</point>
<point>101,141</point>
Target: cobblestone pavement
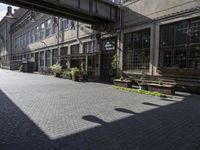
<point>46,113</point>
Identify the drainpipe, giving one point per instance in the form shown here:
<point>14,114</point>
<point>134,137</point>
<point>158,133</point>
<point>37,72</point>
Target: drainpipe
<point>120,37</point>
<point>7,47</point>
<point>154,47</point>
<point>77,32</point>
<point>58,59</point>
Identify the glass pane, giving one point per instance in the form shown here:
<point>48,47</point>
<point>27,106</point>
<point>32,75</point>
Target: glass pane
<point>146,39</point>
<point>180,58</point>
<point>195,35</point>
<point>137,50</point>
<point>137,40</point>
<point>194,59</point>
<point>181,32</point>
<point>166,36</point>
<point>128,41</point>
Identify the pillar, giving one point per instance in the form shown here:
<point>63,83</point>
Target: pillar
<point>51,57</point>
<point>154,51</point>
<point>44,58</point>
<point>120,53</point>
<point>86,62</point>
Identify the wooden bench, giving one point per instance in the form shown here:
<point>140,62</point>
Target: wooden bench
<point>123,83</point>
<point>162,88</point>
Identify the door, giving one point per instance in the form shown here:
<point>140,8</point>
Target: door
<point>36,61</point>
<point>106,67</point>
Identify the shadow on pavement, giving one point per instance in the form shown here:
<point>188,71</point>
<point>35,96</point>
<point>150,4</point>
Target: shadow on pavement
<point>172,127</point>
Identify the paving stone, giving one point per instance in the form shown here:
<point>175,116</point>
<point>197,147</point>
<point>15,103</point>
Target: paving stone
<point>45,113</point>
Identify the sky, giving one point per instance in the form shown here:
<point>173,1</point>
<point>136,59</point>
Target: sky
<point>3,10</point>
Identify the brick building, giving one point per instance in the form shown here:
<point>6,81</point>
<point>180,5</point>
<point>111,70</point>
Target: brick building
<point>161,37</point>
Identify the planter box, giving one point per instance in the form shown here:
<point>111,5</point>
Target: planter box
<point>143,87</point>
<point>164,89</point>
<point>123,83</point>
<point>57,75</point>
<point>75,78</point>
<point>67,77</point>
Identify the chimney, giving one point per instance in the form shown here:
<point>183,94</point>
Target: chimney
<point>9,11</point>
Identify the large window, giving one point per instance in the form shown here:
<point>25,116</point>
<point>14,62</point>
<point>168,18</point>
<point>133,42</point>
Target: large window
<point>64,24</point>
<point>180,45</point>
<point>137,50</point>
<point>24,40</point>
<point>75,49</point>
<point>48,58</point>
<point>63,51</point>
<point>27,38</point>
<point>21,41</point>
<point>63,55</point>
<point>55,25</point>
<point>32,35</point>
<point>41,59</point>
<point>89,47</point>
<point>42,30</point>
<point>54,56</point>
<point>37,33</point>
<point>48,27</point>
<point>17,42</point>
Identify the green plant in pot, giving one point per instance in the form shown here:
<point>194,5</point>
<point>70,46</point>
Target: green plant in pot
<point>57,70</point>
<point>75,72</point>
<point>67,74</point>
<point>115,67</point>
<point>142,84</point>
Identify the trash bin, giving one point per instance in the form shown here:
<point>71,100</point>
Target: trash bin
<point>30,67</point>
<point>85,76</point>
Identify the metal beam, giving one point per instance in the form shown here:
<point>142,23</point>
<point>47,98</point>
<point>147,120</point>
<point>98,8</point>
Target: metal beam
<point>88,11</point>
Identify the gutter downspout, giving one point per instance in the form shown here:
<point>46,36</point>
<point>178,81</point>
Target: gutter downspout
<point>6,40</point>
<point>77,33</point>
<point>120,37</point>
<point>58,59</point>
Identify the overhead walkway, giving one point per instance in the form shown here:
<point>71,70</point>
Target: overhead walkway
<point>88,11</point>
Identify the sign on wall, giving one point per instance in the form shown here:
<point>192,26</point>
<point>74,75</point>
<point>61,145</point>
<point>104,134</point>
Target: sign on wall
<point>109,44</point>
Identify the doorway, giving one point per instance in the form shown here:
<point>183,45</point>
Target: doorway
<point>106,67</point>
<point>36,61</point>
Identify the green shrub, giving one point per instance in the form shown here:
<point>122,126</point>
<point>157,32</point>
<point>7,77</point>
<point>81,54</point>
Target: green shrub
<point>138,91</point>
<point>45,70</point>
<point>67,73</point>
<point>56,68</point>
<point>75,72</point>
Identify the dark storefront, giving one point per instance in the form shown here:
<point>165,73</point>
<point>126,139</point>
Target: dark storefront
<point>108,49</point>
<point>64,57</point>
<point>36,61</point>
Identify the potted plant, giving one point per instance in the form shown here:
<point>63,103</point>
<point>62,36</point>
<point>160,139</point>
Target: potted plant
<point>160,81</point>
<point>83,73</point>
<point>67,74</point>
<point>75,72</point>
<point>115,67</point>
<point>123,82</point>
<point>57,69</point>
<point>142,84</point>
